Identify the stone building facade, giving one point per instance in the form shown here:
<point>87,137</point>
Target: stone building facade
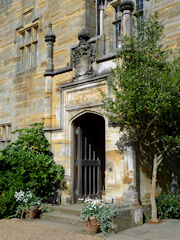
<point>54,57</point>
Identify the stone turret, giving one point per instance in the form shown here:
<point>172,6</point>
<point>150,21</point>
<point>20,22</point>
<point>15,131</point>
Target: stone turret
<point>126,8</point>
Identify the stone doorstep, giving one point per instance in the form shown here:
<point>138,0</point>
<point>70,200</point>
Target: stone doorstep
<point>62,218</point>
<point>128,215</point>
<point>72,209</point>
<point>64,214</point>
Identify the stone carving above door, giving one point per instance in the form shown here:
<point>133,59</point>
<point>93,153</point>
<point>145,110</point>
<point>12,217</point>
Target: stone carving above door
<point>83,56</point>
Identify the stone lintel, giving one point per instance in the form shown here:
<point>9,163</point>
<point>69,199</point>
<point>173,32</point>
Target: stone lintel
<point>48,73</point>
<point>58,129</point>
<point>106,57</point>
<point>62,70</point>
<point>76,83</point>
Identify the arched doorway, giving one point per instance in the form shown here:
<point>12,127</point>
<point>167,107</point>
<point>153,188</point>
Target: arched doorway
<point>89,156</point>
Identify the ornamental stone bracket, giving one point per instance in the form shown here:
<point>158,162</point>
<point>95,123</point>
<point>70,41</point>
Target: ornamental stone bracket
<point>83,56</point>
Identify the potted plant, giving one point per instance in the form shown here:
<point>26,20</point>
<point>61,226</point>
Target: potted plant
<point>97,215</point>
<point>29,204</point>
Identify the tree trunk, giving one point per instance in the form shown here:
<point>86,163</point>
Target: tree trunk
<point>153,190</point>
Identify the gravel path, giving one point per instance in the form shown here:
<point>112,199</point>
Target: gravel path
<point>16,229</point>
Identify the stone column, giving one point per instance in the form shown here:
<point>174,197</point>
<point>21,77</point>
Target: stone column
<point>50,39</point>
<point>126,8</point>
<point>130,193</point>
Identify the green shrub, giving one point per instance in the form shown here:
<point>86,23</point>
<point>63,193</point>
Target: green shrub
<point>27,163</point>
<point>168,205</point>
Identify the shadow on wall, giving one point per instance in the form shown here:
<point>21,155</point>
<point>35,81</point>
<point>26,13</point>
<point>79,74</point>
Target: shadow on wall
<point>168,174</point>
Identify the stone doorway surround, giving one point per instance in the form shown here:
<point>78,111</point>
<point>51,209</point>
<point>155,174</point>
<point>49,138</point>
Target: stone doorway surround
<point>88,156</point>
<point>78,98</point>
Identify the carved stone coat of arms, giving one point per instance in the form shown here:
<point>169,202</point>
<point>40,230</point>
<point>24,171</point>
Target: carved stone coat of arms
<point>83,55</point>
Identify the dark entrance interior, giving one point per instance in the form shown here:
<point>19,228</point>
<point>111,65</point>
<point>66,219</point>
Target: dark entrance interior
<point>89,156</point>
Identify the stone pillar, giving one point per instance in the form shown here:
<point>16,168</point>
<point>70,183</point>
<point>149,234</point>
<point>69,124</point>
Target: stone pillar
<point>50,39</point>
<point>130,194</point>
<point>126,8</point>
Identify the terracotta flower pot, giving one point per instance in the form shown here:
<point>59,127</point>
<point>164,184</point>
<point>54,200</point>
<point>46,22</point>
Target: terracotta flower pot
<point>91,226</point>
<point>29,215</point>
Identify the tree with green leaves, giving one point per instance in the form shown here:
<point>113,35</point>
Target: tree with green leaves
<point>145,96</point>
<point>25,164</point>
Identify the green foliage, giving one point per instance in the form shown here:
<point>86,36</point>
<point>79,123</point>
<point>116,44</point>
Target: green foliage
<point>145,96</point>
<point>168,205</point>
<point>104,213</point>
<point>105,218</point>
<point>27,163</point>
<point>92,208</point>
<point>27,201</point>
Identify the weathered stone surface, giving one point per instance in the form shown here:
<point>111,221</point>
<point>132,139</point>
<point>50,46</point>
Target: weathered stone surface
<point>27,96</point>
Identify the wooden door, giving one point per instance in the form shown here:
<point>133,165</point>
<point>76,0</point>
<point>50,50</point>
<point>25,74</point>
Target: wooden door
<point>89,157</point>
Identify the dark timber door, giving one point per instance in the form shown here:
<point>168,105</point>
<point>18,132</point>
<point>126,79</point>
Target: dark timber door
<point>89,156</point>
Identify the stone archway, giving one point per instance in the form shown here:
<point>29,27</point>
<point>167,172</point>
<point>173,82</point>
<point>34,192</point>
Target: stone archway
<point>89,156</point>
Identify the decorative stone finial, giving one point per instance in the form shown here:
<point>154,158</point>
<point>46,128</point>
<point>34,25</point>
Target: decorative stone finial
<point>126,5</point>
<point>83,35</point>
<point>50,36</point>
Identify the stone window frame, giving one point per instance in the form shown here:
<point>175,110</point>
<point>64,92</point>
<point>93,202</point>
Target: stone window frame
<point>5,135</point>
<point>28,47</point>
<point>117,25</point>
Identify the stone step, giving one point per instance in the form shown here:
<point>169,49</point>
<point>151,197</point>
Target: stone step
<point>62,218</point>
<point>73,209</point>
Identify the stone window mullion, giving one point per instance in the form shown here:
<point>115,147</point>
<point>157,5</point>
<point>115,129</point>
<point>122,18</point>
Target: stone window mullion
<point>5,135</point>
<point>28,47</point>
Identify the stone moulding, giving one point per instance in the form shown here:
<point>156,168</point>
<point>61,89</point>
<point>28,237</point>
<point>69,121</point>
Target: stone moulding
<point>72,85</point>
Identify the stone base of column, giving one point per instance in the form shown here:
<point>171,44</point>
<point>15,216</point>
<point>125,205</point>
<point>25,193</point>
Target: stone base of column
<point>131,195</point>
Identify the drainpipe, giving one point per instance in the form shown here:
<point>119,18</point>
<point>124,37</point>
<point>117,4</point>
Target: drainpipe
<point>101,16</point>
<point>96,18</point>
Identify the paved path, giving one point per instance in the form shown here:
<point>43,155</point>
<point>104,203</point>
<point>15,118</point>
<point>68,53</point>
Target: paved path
<point>167,230</point>
<point>39,229</point>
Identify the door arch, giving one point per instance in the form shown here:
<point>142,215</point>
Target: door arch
<point>89,156</point>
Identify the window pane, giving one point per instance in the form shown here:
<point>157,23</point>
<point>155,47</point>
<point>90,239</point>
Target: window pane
<point>36,34</point>
<point>29,36</point>
<point>22,59</point>
<point>9,131</point>
<point>117,27</point>
<point>35,55</point>
<point>23,39</point>
<point>3,145</point>
<point>140,26</point>
<point>4,132</point>
<point>118,13</point>
<point>118,35</point>
<point>29,57</point>
<point>139,5</point>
